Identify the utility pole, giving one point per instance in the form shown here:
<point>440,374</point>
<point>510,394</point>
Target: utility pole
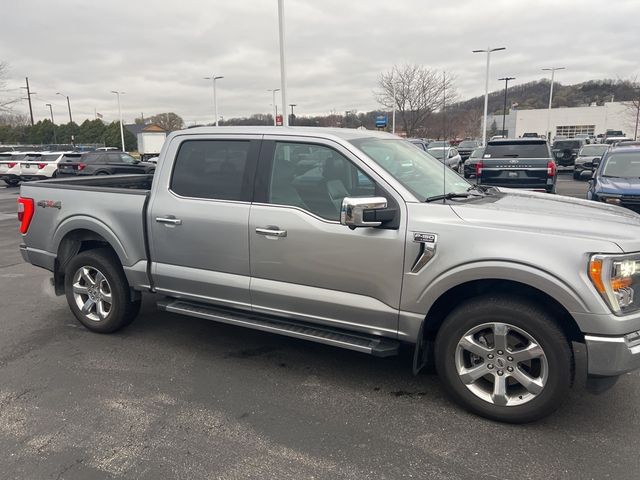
<point>55,140</point>
<point>504,110</point>
<point>635,136</point>
<point>553,71</point>
<point>29,93</point>
<point>393,112</point>
<point>275,107</point>
<point>486,91</point>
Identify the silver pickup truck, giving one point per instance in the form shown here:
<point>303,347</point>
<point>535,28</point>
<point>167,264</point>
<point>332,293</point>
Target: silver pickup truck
<point>359,240</point>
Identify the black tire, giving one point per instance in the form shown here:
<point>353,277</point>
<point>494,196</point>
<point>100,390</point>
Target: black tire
<point>13,182</point>
<point>526,317</point>
<point>576,176</point>
<point>102,173</point>
<point>122,309</point>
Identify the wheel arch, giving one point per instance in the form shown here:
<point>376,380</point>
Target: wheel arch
<point>78,235</point>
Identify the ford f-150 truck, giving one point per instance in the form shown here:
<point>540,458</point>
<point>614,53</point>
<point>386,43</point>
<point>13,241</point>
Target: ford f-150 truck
<point>354,239</point>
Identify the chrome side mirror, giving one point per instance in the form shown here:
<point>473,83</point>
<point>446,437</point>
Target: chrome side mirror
<point>353,211</point>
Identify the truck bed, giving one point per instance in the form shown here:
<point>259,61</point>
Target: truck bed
<point>112,206</point>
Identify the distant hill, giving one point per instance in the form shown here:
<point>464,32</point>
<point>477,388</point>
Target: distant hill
<point>536,95</point>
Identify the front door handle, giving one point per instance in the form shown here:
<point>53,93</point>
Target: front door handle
<point>169,220</point>
<point>271,231</point>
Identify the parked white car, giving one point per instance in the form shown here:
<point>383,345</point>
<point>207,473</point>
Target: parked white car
<point>43,166</point>
<point>449,156</point>
<point>10,166</point>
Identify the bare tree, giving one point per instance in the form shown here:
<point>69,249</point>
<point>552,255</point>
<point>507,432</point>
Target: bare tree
<point>169,121</point>
<point>418,93</point>
<point>633,106</point>
<point>6,104</point>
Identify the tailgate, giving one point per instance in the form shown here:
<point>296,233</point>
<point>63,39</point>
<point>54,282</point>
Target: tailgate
<point>526,172</point>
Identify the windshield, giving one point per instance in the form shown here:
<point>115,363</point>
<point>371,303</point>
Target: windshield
<point>439,143</point>
<point>591,150</point>
<point>477,153</point>
<point>436,152</point>
<point>624,165</point>
<point>416,170</point>
<point>468,144</point>
<point>516,150</point>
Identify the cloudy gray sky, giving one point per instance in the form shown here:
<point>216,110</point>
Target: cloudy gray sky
<point>158,51</point>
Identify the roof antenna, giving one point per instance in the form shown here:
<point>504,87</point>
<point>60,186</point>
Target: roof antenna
<point>444,136</point>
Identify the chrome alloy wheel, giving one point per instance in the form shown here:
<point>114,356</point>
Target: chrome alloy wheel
<point>501,364</point>
<point>92,293</point>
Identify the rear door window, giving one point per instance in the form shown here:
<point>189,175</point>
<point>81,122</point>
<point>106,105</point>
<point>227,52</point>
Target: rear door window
<point>216,169</point>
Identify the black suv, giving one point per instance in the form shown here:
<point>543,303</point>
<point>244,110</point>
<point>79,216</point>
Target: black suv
<point>103,163</point>
<point>465,148</point>
<point>565,151</point>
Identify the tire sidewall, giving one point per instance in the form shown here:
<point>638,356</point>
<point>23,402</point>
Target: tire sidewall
<point>522,315</point>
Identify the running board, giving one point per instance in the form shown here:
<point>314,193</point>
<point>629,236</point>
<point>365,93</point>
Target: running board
<point>376,346</point>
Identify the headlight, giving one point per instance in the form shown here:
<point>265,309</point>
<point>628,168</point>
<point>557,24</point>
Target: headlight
<point>616,277</point>
<point>610,199</point>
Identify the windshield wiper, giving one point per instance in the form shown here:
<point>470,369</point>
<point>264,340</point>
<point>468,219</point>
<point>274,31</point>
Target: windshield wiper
<point>448,196</point>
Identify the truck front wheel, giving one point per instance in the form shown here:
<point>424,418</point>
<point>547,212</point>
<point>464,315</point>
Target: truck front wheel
<point>98,292</point>
<point>504,358</point>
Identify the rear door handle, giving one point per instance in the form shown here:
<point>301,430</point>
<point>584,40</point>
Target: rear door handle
<point>271,231</point>
<point>169,220</point>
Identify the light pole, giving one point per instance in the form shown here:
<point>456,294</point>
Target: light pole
<point>275,107</point>
<point>504,110</point>
<point>393,112</point>
<point>292,105</point>
<point>213,78</point>
<point>68,105</point>
<point>55,140</point>
<point>283,69</point>
<point>120,115</point>
<point>553,71</point>
<point>486,90</point>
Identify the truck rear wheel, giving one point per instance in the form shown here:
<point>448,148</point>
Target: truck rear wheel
<point>97,291</point>
<point>504,358</point>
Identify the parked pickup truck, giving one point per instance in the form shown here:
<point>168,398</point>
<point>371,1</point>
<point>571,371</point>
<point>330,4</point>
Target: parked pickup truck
<point>518,163</point>
<point>354,239</point>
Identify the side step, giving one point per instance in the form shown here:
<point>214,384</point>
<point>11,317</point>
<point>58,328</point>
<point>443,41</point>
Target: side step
<point>377,346</point>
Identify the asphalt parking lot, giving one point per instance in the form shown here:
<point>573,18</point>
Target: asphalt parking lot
<point>177,397</point>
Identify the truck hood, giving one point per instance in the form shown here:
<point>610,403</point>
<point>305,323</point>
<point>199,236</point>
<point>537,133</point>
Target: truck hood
<point>628,186</point>
<point>555,215</point>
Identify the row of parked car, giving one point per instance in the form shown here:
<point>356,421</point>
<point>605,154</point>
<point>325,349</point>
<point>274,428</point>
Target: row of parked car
<point>16,167</point>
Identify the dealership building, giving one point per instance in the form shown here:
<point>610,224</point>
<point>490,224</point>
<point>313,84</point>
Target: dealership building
<point>569,121</point>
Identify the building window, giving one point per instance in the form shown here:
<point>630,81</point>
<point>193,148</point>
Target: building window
<point>573,130</point>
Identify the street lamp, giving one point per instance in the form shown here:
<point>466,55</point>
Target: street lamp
<point>504,110</point>
<point>292,105</point>
<point>553,71</point>
<point>275,107</point>
<point>213,78</point>
<point>68,105</point>
<point>283,69</point>
<point>55,140</point>
<point>120,115</point>
<point>486,90</point>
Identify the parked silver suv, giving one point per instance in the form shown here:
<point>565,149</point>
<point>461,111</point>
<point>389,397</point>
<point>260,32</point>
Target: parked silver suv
<point>359,240</point>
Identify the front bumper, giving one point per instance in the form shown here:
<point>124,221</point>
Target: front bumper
<point>612,356</point>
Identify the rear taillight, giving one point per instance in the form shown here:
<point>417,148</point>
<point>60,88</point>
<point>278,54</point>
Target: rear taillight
<point>12,164</point>
<point>551,169</point>
<point>25,213</point>
<point>81,166</point>
<point>41,166</point>
<point>479,166</point>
